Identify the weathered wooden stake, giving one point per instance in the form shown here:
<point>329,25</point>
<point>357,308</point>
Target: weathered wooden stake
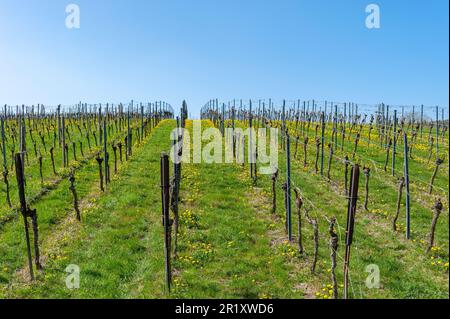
<point>334,241</point>
<point>437,210</point>
<point>288,186</point>
<point>366,171</point>
<point>406,174</point>
<point>316,165</point>
<point>23,208</point>
<point>314,224</point>
<point>354,177</point>
<point>330,159</point>
<point>346,164</point>
<point>52,156</point>
<point>387,154</point>
<point>322,139</point>
<point>305,145</point>
<point>167,223</point>
<point>5,163</point>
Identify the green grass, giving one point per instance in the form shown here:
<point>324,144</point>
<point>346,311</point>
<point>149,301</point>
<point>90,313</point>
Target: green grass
<point>58,229</point>
<point>230,244</point>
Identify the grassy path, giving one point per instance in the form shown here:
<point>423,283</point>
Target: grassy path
<point>225,243</point>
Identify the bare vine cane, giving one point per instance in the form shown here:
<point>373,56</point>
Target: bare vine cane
<point>74,151</point>
<point>439,162</point>
<point>346,164</point>
<point>33,215</point>
<point>387,154</point>
<point>313,222</point>
<point>284,187</point>
<point>52,156</point>
<point>366,171</point>
<point>120,151</point>
<point>401,185</point>
<point>437,210</point>
<point>75,195</point>
<point>299,204</point>
<point>41,175</point>
<point>356,144</point>
<point>316,165</point>
<point>305,153</point>
<point>430,152</point>
<point>5,179</point>
<point>330,158</point>
<point>114,147</point>
<point>334,242</point>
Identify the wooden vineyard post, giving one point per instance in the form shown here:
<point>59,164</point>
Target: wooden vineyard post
<point>22,146</point>
<point>106,154</point>
<point>406,175</point>
<point>222,124</point>
<point>128,140</point>
<point>59,125</point>
<point>5,163</point>
<point>288,185</point>
<point>366,171</point>
<point>233,128</point>
<point>175,185</point>
<point>165,196</point>
<point>394,145</point>
<point>421,121</point>
<point>323,142</point>
<point>100,125</point>
<point>114,147</point>
<point>283,125</point>
<point>346,163</point>
<point>330,158</point>
<point>388,148</point>
<point>351,211</point>
<point>41,175</point>
<point>437,133</point>
<point>250,137</point>
<point>336,125</point>
<point>63,140</point>
<point>23,208</point>
<point>142,123</point>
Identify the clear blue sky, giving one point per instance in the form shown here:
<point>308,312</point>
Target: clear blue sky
<point>195,50</point>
